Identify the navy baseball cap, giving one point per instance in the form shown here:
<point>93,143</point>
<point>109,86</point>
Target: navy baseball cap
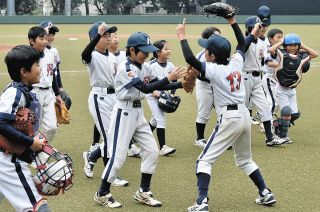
<point>251,21</point>
<point>218,45</point>
<point>52,28</point>
<point>93,31</point>
<point>141,41</point>
<point>264,13</point>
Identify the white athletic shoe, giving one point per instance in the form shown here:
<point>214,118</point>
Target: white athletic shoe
<point>88,165</point>
<point>166,150</point>
<point>274,141</point>
<point>203,207</point>
<point>266,198</point>
<point>94,147</point>
<point>106,200</point>
<point>134,151</point>
<point>119,182</point>
<point>285,140</point>
<point>256,119</point>
<point>146,198</point>
<point>200,142</point>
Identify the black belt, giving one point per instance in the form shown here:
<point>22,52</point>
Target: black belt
<point>110,90</point>
<point>255,73</point>
<point>41,88</point>
<point>136,104</point>
<point>204,79</point>
<point>232,107</point>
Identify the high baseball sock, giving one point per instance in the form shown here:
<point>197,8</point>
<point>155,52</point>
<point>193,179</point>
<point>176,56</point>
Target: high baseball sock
<point>96,135</point>
<point>161,133</point>
<point>250,111</point>
<point>152,127</point>
<point>200,130</point>
<point>203,186</point>
<point>95,155</point>
<point>104,188</point>
<point>267,129</point>
<point>105,161</point>
<point>145,182</point>
<point>257,178</point>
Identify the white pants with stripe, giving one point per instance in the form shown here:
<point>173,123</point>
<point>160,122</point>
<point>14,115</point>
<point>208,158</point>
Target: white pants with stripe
<point>16,184</point>
<point>158,119</point>
<point>233,129</point>
<point>256,95</point>
<point>100,106</point>
<point>127,122</point>
<point>287,97</point>
<point>269,87</point>
<point>204,94</point>
<point>48,120</point>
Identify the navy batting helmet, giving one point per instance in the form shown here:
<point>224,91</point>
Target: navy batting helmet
<point>217,45</point>
<point>168,103</point>
<point>251,21</point>
<point>264,13</point>
<point>290,39</point>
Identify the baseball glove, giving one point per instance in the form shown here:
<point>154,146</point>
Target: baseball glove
<point>62,113</point>
<point>220,9</point>
<point>25,118</point>
<point>189,81</point>
<point>66,98</point>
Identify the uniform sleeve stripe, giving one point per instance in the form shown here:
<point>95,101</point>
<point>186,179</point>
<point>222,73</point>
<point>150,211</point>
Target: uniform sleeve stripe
<point>200,55</point>
<point>7,116</point>
<point>132,82</point>
<point>16,101</point>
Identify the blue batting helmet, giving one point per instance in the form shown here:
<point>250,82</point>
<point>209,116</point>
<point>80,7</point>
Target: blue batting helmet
<point>264,13</point>
<point>251,21</point>
<point>290,39</point>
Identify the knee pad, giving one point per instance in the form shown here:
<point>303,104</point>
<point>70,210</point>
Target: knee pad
<point>286,111</point>
<point>294,116</point>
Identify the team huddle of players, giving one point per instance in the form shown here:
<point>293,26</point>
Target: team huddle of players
<point>261,76</point>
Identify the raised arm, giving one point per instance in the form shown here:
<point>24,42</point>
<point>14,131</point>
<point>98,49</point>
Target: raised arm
<point>238,33</point>
<point>312,53</point>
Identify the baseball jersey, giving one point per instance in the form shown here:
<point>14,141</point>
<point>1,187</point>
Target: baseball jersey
<point>124,83</point>
<point>227,81</point>
<point>254,56</point>
<point>47,67</point>
<point>102,69</point>
<point>120,56</point>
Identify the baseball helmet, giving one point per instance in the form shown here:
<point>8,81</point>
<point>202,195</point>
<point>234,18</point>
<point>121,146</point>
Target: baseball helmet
<point>93,31</point>
<point>54,171</point>
<point>218,45</point>
<point>264,14</point>
<point>290,39</point>
<point>168,103</point>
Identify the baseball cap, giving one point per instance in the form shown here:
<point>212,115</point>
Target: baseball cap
<point>93,31</point>
<point>52,28</point>
<point>218,45</point>
<point>251,21</point>
<point>264,13</point>
<point>141,41</point>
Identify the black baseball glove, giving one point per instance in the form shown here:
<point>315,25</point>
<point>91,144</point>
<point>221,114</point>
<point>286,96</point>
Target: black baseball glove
<point>220,9</point>
<point>66,98</point>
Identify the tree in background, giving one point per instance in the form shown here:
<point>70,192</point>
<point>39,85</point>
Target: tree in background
<point>22,7</point>
<point>58,6</point>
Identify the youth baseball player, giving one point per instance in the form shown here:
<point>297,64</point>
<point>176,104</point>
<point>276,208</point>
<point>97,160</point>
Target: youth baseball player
<point>294,60</point>
<point>16,183</point>
<point>234,125</point>
<point>204,94</point>
<point>161,67</point>
<point>102,97</point>
<point>134,78</point>
<point>252,71</point>
<point>47,90</point>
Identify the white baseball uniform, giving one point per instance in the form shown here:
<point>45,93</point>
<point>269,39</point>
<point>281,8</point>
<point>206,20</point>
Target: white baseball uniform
<point>252,70</point>
<point>102,69</point>
<point>204,95</point>
<point>234,126</point>
<point>128,121</point>
<point>46,96</point>
<point>158,118</point>
<point>16,183</point>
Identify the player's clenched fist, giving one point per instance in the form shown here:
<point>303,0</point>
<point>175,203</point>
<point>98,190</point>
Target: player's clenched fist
<point>38,143</point>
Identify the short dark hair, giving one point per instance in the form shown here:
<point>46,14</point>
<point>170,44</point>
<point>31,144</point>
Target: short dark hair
<point>273,32</point>
<point>19,57</point>
<point>159,44</point>
<point>136,51</point>
<point>207,32</point>
<point>35,32</point>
